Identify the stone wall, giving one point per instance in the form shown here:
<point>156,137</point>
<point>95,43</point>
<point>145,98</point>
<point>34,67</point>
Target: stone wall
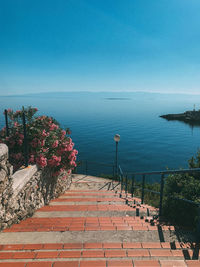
<point>26,190</point>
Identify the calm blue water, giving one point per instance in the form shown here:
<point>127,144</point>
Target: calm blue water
<point>147,141</point>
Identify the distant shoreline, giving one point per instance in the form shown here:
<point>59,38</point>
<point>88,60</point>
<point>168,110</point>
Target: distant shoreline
<point>188,116</point>
<point>117,98</point>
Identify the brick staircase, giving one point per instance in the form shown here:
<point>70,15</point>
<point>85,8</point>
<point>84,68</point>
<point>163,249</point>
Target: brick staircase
<point>91,227</point>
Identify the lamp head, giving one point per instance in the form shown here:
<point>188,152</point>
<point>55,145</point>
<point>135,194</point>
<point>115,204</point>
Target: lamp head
<point>117,138</point>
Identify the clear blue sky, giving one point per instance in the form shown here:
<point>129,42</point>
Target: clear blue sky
<point>99,45</point>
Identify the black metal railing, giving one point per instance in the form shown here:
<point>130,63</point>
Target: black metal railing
<point>162,181</point>
<point>163,175</point>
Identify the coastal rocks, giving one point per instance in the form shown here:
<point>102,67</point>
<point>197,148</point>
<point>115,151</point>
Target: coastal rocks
<point>188,117</point>
<point>25,191</point>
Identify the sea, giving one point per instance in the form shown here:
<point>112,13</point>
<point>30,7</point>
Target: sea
<point>147,142</point>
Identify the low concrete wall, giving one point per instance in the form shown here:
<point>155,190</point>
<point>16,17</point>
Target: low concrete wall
<point>26,190</point>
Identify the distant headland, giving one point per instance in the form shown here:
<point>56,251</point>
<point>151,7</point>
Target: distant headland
<point>118,98</point>
<point>188,116</point>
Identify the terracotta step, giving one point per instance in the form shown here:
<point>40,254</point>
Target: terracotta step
<point>84,224</point>
<point>106,254</point>
<point>111,245</point>
<point>88,199</point>
<point>105,263</point>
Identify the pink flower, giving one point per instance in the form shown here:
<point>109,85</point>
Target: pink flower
<point>72,163</point>
<point>45,134</point>
<point>55,144</point>
<point>45,149</point>
<point>63,132</point>
<point>54,161</point>
<point>42,142</point>
<point>53,126</point>
<point>75,151</point>
<point>21,136</point>
<point>72,156</point>
<point>34,142</point>
<point>20,142</point>
<point>41,161</point>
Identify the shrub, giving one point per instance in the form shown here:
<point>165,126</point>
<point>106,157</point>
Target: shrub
<point>49,146</point>
<point>183,186</point>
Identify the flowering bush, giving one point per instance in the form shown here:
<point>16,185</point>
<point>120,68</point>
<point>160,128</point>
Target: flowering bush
<point>49,146</point>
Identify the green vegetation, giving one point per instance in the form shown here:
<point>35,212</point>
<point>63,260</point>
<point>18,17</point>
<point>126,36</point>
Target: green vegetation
<point>182,186</point>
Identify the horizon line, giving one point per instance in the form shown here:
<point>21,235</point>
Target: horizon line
<point>127,91</point>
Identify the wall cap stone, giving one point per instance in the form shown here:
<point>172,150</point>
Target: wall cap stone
<point>3,152</point>
<point>21,178</point>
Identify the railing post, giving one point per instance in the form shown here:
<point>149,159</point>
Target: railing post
<point>132,185</point>
<point>198,224</point>
<point>86,167</point>
<point>6,119</point>
<point>143,185</point>
<point>113,171</point>
<point>126,184</point>
<point>161,194</point>
<point>25,141</point>
<point>121,181</point>
<point>116,159</point>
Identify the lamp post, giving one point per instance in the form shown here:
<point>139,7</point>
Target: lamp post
<point>117,139</point>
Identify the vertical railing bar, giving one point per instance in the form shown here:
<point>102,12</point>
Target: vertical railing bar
<point>25,141</point>
<point>126,183</point>
<point>198,224</point>
<point>113,171</point>
<point>121,180</point>
<point>112,185</point>
<point>132,185</point>
<point>6,119</point>
<point>86,167</point>
<point>161,194</point>
<point>143,185</point>
<point>126,189</point>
